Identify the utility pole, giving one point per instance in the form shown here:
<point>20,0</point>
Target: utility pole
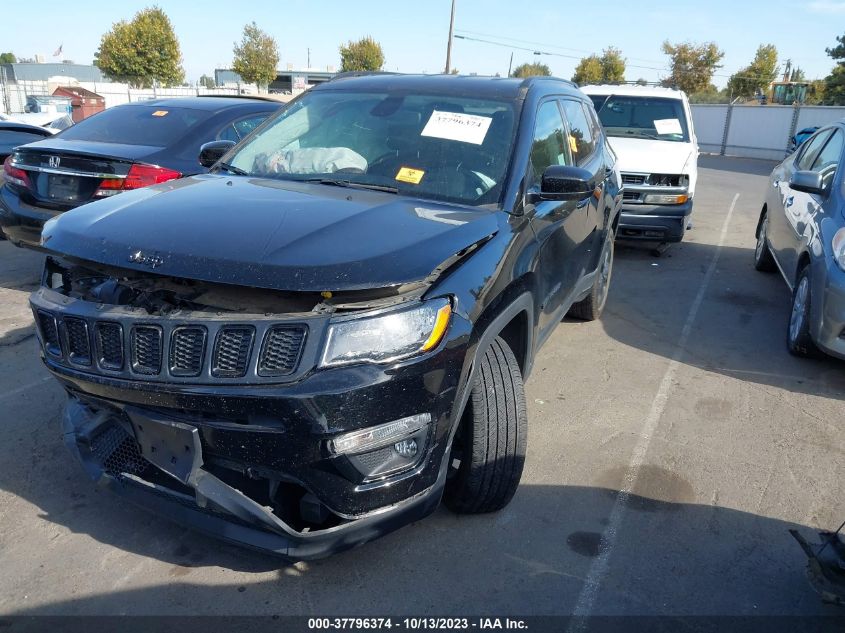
<point>449,45</point>
<point>309,58</point>
<point>510,65</point>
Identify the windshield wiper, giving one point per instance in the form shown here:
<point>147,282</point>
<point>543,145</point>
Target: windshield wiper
<point>352,184</point>
<point>232,169</point>
<point>644,135</point>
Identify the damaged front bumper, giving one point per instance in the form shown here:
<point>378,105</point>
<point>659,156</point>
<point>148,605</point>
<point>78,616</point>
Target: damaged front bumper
<point>252,458</point>
<point>107,448</point>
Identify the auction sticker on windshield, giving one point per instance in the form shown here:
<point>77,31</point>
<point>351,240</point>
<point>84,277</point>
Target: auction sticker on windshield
<point>457,126</point>
<point>668,126</point>
<point>411,175</point>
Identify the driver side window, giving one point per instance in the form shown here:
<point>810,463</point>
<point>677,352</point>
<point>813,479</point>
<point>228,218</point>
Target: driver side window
<point>811,149</point>
<point>549,145</point>
<point>828,158</point>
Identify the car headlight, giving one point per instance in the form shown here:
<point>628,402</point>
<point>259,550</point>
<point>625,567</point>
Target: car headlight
<point>387,337</point>
<point>838,244</point>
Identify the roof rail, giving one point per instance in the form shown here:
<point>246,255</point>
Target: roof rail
<point>528,80</point>
<point>360,73</point>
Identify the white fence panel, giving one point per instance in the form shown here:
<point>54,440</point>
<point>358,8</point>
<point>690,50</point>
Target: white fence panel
<point>819,115</point>
<point>759,131</point>
<point>709,123</point>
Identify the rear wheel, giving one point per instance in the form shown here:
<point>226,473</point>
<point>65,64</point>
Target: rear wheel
<point>591,307</point>
<point>798,331</point>
<point>763,259</point>
<point>488,452</point>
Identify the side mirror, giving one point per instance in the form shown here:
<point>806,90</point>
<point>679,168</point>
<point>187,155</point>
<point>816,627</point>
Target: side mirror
<point>213,151</point>
<point>807,181</point>
<point>566,182</point>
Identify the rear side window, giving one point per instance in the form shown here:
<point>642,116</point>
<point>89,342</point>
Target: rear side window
<point>581,138</point>
<point>549,146</point>
<point>828,158</point>
<point>239,129</point>
<point>811,149</point>
<point>13,138</point>
<point>158,126</point>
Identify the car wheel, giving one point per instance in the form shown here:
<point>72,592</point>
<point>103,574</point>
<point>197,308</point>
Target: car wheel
<point>798,330</point>
<point>488,452</point>
<point>591,307</point>
<point>763,259</point>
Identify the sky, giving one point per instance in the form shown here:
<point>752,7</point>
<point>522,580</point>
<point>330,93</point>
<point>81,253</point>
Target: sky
<point>413,35</point>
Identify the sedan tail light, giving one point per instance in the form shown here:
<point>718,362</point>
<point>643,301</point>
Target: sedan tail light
<point>138,176</point>
<point>14,175</point>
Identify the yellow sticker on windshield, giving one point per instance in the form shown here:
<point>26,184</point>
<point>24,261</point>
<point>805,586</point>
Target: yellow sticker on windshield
<point>408,174</point>
<point>160,113</point>
<point>573,144</point>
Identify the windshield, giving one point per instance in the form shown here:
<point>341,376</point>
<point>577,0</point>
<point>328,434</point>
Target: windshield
<point>157,126</point>
<point>447,148</point>
<point>643,117</point>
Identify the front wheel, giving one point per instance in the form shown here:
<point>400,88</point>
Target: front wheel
<point>763,259</point>
<point>591,306</point>
<point>798,339</point>
<point>488,452</point>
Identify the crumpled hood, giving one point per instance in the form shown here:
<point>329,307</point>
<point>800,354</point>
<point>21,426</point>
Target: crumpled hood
<point>642,155</point>
<point>269,233</point>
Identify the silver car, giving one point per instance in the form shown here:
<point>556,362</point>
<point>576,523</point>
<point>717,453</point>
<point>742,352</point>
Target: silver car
<point>801,233</point>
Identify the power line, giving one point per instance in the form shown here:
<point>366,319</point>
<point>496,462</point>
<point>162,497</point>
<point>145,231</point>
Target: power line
<point>546,45</point>
<point>539,52</point>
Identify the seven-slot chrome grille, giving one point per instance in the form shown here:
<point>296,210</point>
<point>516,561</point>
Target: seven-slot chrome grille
<point>168,350</point>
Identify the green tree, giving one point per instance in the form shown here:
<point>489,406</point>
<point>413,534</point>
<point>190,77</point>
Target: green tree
<point>797,74</point>
<point>7,58</point>
<point>815,92</point>
<point>711,94</point>
<point>142,51</point>
<point>365,54</point>
<point>834,89</point>
<point>256,57</point>
<point>756,77</point>
<point>588,71</point>
<point>207,82</point>
<point>535,69</point>
<point>692,65</point>
<point>612,66</point>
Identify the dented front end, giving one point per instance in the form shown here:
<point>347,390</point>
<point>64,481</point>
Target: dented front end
<point>214,404</point>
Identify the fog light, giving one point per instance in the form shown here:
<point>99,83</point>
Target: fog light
<point>406,448</point>
<point>378,436</point>
<point>383,450</point>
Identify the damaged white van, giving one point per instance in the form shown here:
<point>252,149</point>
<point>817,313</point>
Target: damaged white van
<point>650,130</point>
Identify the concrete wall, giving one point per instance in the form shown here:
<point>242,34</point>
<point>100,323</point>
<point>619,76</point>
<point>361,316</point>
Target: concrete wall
<point>754,131</point>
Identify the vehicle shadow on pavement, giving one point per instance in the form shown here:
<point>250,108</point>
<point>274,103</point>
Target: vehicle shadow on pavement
<point>21,269</point>
<point>671,558</point>
<point>739,329</point>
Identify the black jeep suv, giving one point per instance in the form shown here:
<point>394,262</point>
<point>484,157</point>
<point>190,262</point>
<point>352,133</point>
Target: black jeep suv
<point>314,343</point>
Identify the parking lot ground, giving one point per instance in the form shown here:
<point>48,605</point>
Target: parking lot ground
<point>683,397</point>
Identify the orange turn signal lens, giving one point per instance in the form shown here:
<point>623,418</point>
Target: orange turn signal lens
<point>441,324</point>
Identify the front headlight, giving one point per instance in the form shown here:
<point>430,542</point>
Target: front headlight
<point>838,244</point>
<point>387,337</point>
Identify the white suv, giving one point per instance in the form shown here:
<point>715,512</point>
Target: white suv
<point>650,130</point>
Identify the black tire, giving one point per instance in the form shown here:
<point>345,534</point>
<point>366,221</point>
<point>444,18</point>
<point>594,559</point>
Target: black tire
<point>798,339</point>
<point>490,443</point>
<point>763,259</point>
<point>591,306</point>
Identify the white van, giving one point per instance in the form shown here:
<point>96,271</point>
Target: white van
<point>650,130</point>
